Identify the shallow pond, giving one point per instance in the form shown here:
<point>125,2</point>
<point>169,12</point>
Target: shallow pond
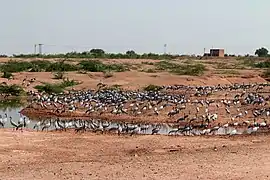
<point>13,111</point>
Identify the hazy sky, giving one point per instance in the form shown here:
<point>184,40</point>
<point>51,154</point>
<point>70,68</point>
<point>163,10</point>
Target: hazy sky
<point>187,26</point>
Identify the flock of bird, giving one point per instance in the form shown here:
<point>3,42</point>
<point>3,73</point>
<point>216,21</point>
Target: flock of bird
<point>197,110</point>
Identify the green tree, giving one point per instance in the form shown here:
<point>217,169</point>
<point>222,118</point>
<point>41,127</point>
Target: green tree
<point>262,52</point>
<point>131,54</point>
<point>98,53</point>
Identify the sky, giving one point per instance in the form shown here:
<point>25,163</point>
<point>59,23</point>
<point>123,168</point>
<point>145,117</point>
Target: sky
<point>186,26</point>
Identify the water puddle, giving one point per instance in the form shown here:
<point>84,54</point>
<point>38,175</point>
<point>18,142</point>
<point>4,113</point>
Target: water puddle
<point>104,126</point>
<point>10,113</point>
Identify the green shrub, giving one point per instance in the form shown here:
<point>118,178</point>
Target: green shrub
<point>165,65</point>
<point>61,66</point>
<point>58,75</point>
<point>56,88</point>
<point>192,70</point>
<point>49,88</point>
<point>15,66</point>
<point>150,71</point>
<point>115,87</point>
<point>11,103</point>
<point>187,69</point>
<point>148,63</point>
<point>68,83</point>
<point>7,75</point>
<point>108,74</point>
<point>265,64</point>
<point>13,90</point>
<point>266,73</point>
<point>92,66</point>
<point>98,66</point>
<point>37,66</point>
<point>152,87</point>
<point>116,67</point>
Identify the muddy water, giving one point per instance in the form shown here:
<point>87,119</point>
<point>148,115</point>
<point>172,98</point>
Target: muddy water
<point>165,129</point>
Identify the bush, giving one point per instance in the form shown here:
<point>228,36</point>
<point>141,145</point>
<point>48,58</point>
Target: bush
<point>99,53</point>
<point>68,83</point>
<point>13,90</point>
<point>148,63</point>
<point>92,66</point>
<point>265,64</point>
<point>266,73</point>
<point>108,74</point>
<point>11,103</point>
<point>192,70</point>
<point>150,71</point>
<point>165,65</point>
<point>61,66</point>
<point>7,75</point>
<point>49,88</point>
<point>56,88</point>
<point>15,66</point>
<point>37,66</point>
<point>59,75</point>
<point>115,87</point>
<point>152,87</point>
<point>98,66</point>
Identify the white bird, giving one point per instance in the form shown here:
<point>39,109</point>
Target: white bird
<point>263,124</point>
<point>226,125</point>
<point>233,132</point>
<point>235,124</point>
<point>255,129</point>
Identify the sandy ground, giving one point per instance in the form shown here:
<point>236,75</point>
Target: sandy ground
<point>66,155</point>
<point>35,155</point>
<point>136,79</point>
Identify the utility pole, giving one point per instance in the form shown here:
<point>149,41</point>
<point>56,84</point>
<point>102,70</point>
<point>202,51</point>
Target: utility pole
<point>35,49</point>
<point>40,49</point>
<point>165,49</point>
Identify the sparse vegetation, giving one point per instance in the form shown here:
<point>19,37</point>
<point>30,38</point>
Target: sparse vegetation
<point>115,87</point>
<point>58,75</point>
<point>192,70</point>
<point>13,90</point>
<point>100,53</point>
<point>223,66</point>
<point>7,75</point>
<point>148,63</point>
<point>189,69</point>
<point>265,64</point>
<point>108,74</point>
<point>266,73</point>
<point>36,66</point>
<point>98,66</point>
<point>152,87</point>
<point>62,66</point>
<point>151,71</point>
<point>230,71</point>
<point>56,88</point>
<point>11,103</point>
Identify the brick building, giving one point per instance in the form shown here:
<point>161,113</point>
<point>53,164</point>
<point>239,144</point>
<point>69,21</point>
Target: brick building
<point>215,53</point>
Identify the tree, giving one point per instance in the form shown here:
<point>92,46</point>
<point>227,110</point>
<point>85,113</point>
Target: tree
<point>262,52</point>
<point>98,53</point>
<point>131,54</point>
